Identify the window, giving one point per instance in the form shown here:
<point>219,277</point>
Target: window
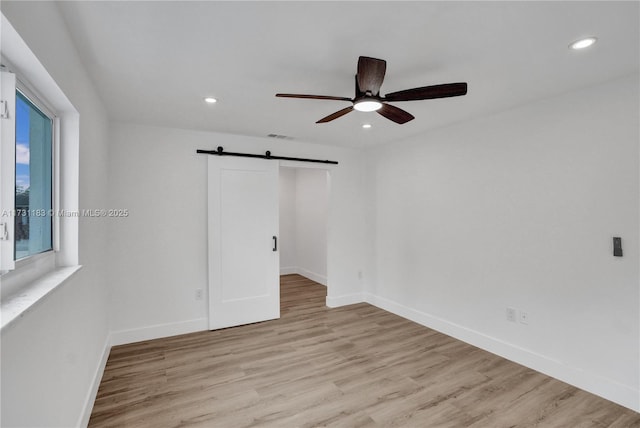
<point>39,130</point>
<point>33,225</point>
<point>27,222</point>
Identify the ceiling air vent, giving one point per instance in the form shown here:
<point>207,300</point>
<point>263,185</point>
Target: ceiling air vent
<point>280,137</point>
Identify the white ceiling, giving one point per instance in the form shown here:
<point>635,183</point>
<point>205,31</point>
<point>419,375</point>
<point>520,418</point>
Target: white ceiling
<point>153,62</point>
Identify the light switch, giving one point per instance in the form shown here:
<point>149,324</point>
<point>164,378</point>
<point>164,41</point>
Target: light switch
<point>617,247</point>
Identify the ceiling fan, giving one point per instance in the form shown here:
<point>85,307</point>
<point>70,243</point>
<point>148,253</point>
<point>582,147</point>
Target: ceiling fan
<point>370,75</point>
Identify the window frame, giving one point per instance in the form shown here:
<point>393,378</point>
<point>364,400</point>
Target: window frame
<point>24,271</point>
<point>41,104</point>
<point>7,168</point>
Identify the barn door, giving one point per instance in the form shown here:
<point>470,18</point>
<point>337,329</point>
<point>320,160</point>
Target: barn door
<point>243,249</point>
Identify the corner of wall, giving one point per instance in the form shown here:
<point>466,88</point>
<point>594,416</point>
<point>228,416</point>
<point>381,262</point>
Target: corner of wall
<point>598,385</point>
<point>344,300</point>
<point>95,385</point>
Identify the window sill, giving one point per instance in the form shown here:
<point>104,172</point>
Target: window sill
<point>28,297</point>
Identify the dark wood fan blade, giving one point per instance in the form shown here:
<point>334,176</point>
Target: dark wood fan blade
<point>394,113</point>
<point>335,115</point>
<point>371,74</point>
<point>314,97</point>
<point>429,92</point>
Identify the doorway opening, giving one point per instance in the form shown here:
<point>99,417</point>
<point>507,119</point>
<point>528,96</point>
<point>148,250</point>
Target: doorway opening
<point>303,222</point>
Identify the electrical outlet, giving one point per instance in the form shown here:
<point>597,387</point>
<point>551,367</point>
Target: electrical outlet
<point>199,294</point>
<point>524,317</point>
<point>511,314</point>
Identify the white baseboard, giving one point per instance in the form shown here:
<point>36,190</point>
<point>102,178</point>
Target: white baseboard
<point>345,299</point>
<point>606,388</point>
<point>313,276</point>
<point>158,331</point>
<point>97,378</point>
<point>288,270</point>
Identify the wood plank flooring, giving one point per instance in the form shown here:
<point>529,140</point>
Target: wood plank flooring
<point>354,366</point>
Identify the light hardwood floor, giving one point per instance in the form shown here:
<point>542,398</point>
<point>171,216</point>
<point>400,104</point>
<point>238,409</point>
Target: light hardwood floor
<point>347,367</point>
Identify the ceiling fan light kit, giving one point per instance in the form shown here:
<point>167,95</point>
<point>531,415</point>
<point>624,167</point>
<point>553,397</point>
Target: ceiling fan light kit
<point>369,78</point>
<point>368,104</point>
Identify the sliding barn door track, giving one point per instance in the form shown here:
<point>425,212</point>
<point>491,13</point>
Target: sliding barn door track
<point>220,152</point>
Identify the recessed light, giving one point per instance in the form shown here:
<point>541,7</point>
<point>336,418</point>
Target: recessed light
<point>366,126</point>
<point>210,100</point>
<point>583,43</point>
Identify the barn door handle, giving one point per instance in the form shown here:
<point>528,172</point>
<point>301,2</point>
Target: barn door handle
<point>275,243</point>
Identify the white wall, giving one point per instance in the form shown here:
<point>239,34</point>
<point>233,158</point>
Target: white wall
<point>312,198</point>
<point>158,255</point>
<point>51,356</point>
<point>304,199</point>
<point>287,238</point>
<point>518,210</point>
